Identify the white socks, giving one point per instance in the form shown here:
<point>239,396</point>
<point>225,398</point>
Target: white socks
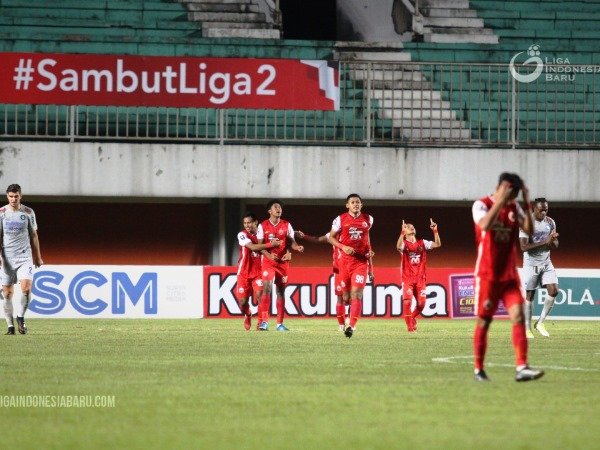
<point>527,312</point>
<point>8,310</point>
<point>548,304</point>
<point>23,306</point>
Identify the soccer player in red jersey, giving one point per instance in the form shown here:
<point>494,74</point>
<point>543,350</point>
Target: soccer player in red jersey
<point>350,233</point>
<point>249,275</point>
<point>414,264</point>
<point>497,219</point>
<point>275,262</point>
<point>340,307</point>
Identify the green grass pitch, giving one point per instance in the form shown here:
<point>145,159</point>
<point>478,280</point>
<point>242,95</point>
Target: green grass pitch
<point>208,384</point>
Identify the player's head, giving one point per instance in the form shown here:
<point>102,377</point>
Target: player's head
<point>540,208</point>
<point>515,181</point>
<point>410,229</point>
<point>250,222</point>
<point>275,207</point>
<point>13,194</point>
<point>354,203</point>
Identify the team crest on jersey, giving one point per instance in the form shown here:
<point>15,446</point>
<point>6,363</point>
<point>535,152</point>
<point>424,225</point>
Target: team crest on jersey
<point>365,224</point>
<point>280,232</point>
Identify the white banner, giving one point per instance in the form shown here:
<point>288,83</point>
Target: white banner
<point>117,292</point>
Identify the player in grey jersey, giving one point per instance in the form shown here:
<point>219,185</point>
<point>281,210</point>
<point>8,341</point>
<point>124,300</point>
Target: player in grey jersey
<point>537,267</point>
<point>20,253</point>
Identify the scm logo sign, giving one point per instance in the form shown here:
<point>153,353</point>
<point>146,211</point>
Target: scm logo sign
<point>50,292</point>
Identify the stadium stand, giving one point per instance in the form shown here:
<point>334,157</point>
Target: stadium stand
<point>555,111</point>
<point>452,100</point>
<point>161,28</point>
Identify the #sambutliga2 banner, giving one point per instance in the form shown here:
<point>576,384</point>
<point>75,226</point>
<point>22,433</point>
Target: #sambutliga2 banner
<point>196,82</point>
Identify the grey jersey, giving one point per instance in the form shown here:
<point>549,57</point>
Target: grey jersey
<point>15,228</point>
<point>541,230</point>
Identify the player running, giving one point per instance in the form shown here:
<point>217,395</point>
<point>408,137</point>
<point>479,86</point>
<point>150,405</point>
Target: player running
<point>275,262</point>
<point>20,254</point>
<point>350,233</point>
<point>249,281</point>
<point>414,265</point>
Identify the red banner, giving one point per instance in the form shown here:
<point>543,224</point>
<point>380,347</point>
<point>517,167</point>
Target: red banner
<point>121,80</point>
<point>310,293</point>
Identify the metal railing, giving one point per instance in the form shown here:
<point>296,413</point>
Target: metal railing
<point>397,104</point>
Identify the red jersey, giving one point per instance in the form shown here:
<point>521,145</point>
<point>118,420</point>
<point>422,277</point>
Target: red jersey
<point>496,248</point>
<point>248,261</point>
<point>414,260</point>
<point>282,231</point>
<point>354,232</point>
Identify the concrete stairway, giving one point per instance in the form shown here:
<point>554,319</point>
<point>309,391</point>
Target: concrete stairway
<point>404,101</point>
<point>452,21</point>
<point>231,18</point>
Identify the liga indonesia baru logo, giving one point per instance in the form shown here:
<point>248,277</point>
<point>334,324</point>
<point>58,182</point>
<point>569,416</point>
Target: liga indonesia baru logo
<point>534,58</point>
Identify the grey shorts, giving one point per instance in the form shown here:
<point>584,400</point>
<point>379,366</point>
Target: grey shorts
<point>536,276</point>
<point>13,273</point>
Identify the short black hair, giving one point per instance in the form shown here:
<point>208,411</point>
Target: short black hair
<point>13,188</point>
<point>540,200</point>
<point>250,214</point>
<point>272,202</point>
<point>353,195</point>
<point>515,181</point>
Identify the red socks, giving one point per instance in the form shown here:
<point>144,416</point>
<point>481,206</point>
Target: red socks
<point>480,345</point>
<point>407,314</point>
<point>519,341</point>
<point>340,312</point>
<point>355,309</point>
<point>280,310</point>
<point>263,307</point>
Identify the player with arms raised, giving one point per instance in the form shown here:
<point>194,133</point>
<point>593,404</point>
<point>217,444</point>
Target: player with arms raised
<point>414,265</point>
<point>497,219</point>
<point>249,281</point>
<point>350,233</point>
<point>20,254</point>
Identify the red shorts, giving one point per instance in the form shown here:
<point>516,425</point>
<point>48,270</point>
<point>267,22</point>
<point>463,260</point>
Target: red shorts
<point>489,293</point>
<point>353,274</point>
<point>416,290</point>
<point>277,274</point>
<point>247,286</point>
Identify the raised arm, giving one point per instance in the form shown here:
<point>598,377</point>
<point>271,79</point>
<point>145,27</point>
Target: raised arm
<point>437,242</point>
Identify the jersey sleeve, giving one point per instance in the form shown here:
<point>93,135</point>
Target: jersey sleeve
<point>522,234</point>
<point>337,224</point>
<point>479,210</point>
<point>370,221</point>
<point>428,244</point>
<point>290,232</point>
<point>243,239</point>
<point>260,233</point>
<point>32,222</point>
